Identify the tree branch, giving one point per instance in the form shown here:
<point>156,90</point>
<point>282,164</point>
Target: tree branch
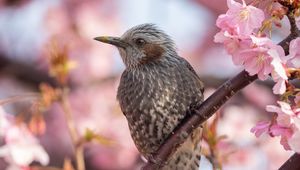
<point>209,107</point>
<point>292,163</point>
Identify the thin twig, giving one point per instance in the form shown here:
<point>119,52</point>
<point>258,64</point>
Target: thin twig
<point>79,155</point>
<point>26,96</point>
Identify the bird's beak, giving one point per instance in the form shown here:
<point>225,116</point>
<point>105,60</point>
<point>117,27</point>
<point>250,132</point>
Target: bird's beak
<point>112,40</point>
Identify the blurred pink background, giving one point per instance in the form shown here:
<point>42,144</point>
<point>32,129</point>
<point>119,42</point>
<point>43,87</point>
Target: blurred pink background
<point>27,26</point>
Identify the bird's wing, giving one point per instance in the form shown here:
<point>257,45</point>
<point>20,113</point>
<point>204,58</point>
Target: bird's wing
<point>188,65</point>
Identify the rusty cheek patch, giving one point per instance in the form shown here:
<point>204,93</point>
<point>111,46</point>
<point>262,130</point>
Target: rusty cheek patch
<point>152,52</point>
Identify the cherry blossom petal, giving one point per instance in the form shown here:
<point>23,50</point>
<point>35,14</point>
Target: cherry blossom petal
<point>286,108</point>
<point>284,142</point>
<point>23,155</point>
<point>294,56</point>
<point>273,108</point>
<point>277,64</point>
<point>279,87</point>
<point>244,18</point>
<point>219,37</point>
<point>278,130</point>
<point>21,147</point>
<point>260,128</point>
<point>294,142</point>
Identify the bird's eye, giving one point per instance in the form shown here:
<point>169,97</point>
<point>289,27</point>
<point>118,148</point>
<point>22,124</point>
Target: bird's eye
<point>140,42</point>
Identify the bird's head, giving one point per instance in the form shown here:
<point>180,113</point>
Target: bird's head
<point>142,44</point>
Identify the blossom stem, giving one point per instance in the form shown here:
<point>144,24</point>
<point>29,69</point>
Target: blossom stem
<point>79,155</point>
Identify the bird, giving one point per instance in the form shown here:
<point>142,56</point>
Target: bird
<point>158,89</point>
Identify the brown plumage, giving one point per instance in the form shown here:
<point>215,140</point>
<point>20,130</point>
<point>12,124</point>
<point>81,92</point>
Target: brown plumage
<point>158,89</point>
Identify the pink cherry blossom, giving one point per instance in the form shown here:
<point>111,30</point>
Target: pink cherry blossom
<point>260,128</point>
<point>284,142</point>
<point>256,61</point>
<point>231,42</point>
<point>277,63</point>
<point>280,86</point>
<point>278,74</point>
<point>294,143</point>
<point>294,54</point>
<point>233,45</point>
<point>277,130</point>
<point>262,59</point>
<point>285,114</point>
<point>284,132</point>
<point>286,125</point>
<point>295,138</point>
<point>237,25</point>
<point>21,147</point>
<point>259,55</point>
<point>241,18</point>
<point>223,23</point>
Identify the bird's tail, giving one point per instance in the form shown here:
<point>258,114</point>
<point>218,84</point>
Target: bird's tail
<point>187,156</point>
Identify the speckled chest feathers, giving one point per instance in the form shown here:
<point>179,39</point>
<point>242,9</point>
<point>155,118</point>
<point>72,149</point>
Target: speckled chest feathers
<point>157,90</point>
